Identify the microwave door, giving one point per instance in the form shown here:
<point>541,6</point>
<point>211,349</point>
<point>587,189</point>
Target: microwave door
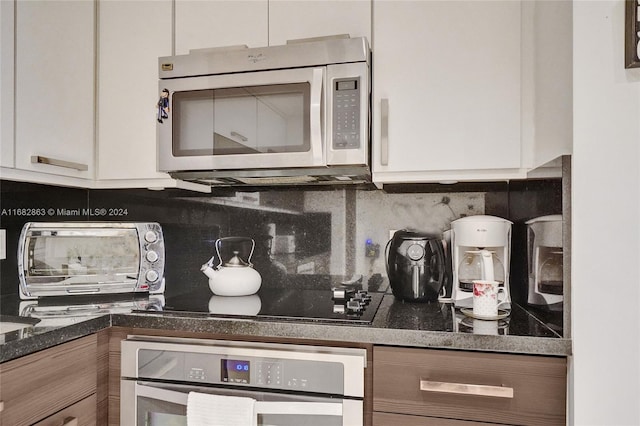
<point>268,119</point>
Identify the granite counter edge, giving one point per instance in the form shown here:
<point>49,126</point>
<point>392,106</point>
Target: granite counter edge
<point>368,335</point>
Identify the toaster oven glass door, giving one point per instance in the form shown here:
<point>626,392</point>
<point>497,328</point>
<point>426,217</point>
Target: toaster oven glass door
<point>80,256</point>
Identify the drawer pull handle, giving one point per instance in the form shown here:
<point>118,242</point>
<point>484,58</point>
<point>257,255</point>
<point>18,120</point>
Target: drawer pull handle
<point>1,406</point>
<point>70,421</point>
<point>38,159</point>
<point>466,389</point>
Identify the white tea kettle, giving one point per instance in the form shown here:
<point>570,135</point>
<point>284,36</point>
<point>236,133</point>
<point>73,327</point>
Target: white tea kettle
<point>233,276</point>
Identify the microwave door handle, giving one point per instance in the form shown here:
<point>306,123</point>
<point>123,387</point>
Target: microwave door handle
<point>315,119</point>
<point>299,408</point>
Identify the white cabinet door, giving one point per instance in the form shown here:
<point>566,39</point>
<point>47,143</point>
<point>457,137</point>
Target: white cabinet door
<point>7,14</point>
<point>450,72</point>
<point>204,24</point>
<point>54,87</point>
<point>133,34</point>
<point>295,19</point>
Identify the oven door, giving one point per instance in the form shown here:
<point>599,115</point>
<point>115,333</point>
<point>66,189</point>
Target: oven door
<point>154,404</point>
<point>256,120</point>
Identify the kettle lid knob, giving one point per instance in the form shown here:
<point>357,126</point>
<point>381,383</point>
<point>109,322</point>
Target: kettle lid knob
<point>236,261</point>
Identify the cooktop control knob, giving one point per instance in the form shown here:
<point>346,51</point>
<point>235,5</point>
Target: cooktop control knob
<point>341,293</point>
<point>354,306</point>
<point>150,237</point>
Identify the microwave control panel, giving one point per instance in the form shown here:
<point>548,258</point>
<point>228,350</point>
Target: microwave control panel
<point>346,113</point>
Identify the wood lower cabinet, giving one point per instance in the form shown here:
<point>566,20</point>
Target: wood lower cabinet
<point>404,420</point>
<point>427,386</point>
<point>46,383</point>
<point>82,413</point>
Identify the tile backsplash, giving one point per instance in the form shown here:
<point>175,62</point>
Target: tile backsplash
<point>341,231</point>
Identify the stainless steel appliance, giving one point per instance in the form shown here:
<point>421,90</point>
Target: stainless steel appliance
<point>545,262</point>
<point>293,114</point>
<point>473,237</point>
<point>291,384</point>
<point>415,266</point>
<point>76,258</point>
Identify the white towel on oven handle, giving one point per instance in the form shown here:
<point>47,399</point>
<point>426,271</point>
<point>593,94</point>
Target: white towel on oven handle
<point>220,410</point>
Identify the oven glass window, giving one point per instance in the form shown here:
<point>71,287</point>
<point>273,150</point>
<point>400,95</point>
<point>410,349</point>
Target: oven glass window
<point>108,255</point>
<point>246,120</point>
<point>161,412</point>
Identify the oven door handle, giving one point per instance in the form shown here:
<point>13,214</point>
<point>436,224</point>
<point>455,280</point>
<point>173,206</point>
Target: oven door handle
<point>261,407</point>
<point>160,394</point>
<point>299,408</point>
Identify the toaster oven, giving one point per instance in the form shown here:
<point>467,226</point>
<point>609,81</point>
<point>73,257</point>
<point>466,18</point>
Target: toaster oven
<point>80,258</point>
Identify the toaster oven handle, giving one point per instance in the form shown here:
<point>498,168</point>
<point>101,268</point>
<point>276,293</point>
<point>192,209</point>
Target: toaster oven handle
<point>315,120</point>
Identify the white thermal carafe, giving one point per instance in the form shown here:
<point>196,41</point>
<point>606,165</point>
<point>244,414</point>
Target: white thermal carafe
<point>545,263</point>
<point>470,235</point>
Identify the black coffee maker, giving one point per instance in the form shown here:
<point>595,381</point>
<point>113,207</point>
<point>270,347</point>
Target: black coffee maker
<point>415,266</point>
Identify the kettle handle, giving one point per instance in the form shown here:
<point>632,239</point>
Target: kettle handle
<point>220,240</point>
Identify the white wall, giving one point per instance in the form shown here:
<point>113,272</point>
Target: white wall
<point>606,217</point>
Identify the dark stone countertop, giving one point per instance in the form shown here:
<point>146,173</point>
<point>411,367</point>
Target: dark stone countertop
<point>423,325</point>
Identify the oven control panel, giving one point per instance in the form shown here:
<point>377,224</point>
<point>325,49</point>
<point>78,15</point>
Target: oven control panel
<point>250,371</point>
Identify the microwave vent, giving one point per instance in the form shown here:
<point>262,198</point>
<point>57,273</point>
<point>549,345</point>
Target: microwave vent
<point>281,180</point>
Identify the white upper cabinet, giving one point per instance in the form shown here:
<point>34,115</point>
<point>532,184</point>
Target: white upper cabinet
<point>294,19</point>
<point>446,90</point>
<point>54,87</point>
<point>204,24</point>
<point>6,83</point>
<point>133,34</point>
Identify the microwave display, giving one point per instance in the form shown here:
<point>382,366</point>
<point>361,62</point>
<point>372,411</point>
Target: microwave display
<point>243,120</point>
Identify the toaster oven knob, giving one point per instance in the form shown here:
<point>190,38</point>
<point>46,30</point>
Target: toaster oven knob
<point>152,256</point>
<point>150,237</point>
<point>152,276</point>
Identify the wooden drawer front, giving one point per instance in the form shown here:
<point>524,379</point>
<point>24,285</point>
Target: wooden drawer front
<point>387,419</point>
<point>538,384</point>
<point>38,385</point>
<point>82,413</point>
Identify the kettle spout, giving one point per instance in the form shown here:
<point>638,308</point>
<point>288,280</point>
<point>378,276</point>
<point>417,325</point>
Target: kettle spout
<point>207,269</point>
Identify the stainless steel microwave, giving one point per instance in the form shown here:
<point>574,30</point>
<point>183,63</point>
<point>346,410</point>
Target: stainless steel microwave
<point>298,113</point>
<point>80,258</point>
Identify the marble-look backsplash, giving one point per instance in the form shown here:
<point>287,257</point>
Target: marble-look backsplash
<point>297,231</point>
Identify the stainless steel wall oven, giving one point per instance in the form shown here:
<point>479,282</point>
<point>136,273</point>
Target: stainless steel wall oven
<point>290,384</point>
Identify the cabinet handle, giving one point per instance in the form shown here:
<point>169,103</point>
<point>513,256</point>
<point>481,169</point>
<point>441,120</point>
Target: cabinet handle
<point>1,406</point>
<point>70,421</point>
<point>384,132</point>
<point>466,389</point>
<point>239,136</point>
<point>37,159</point>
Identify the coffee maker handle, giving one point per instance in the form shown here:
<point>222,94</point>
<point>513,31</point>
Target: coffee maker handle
<point>438,261</point>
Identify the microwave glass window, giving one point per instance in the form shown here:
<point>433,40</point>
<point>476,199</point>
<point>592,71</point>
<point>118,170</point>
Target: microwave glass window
<point>114,257</point>
<point>246,120</point>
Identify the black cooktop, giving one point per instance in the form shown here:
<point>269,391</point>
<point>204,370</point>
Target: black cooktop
<point>292,303</point>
